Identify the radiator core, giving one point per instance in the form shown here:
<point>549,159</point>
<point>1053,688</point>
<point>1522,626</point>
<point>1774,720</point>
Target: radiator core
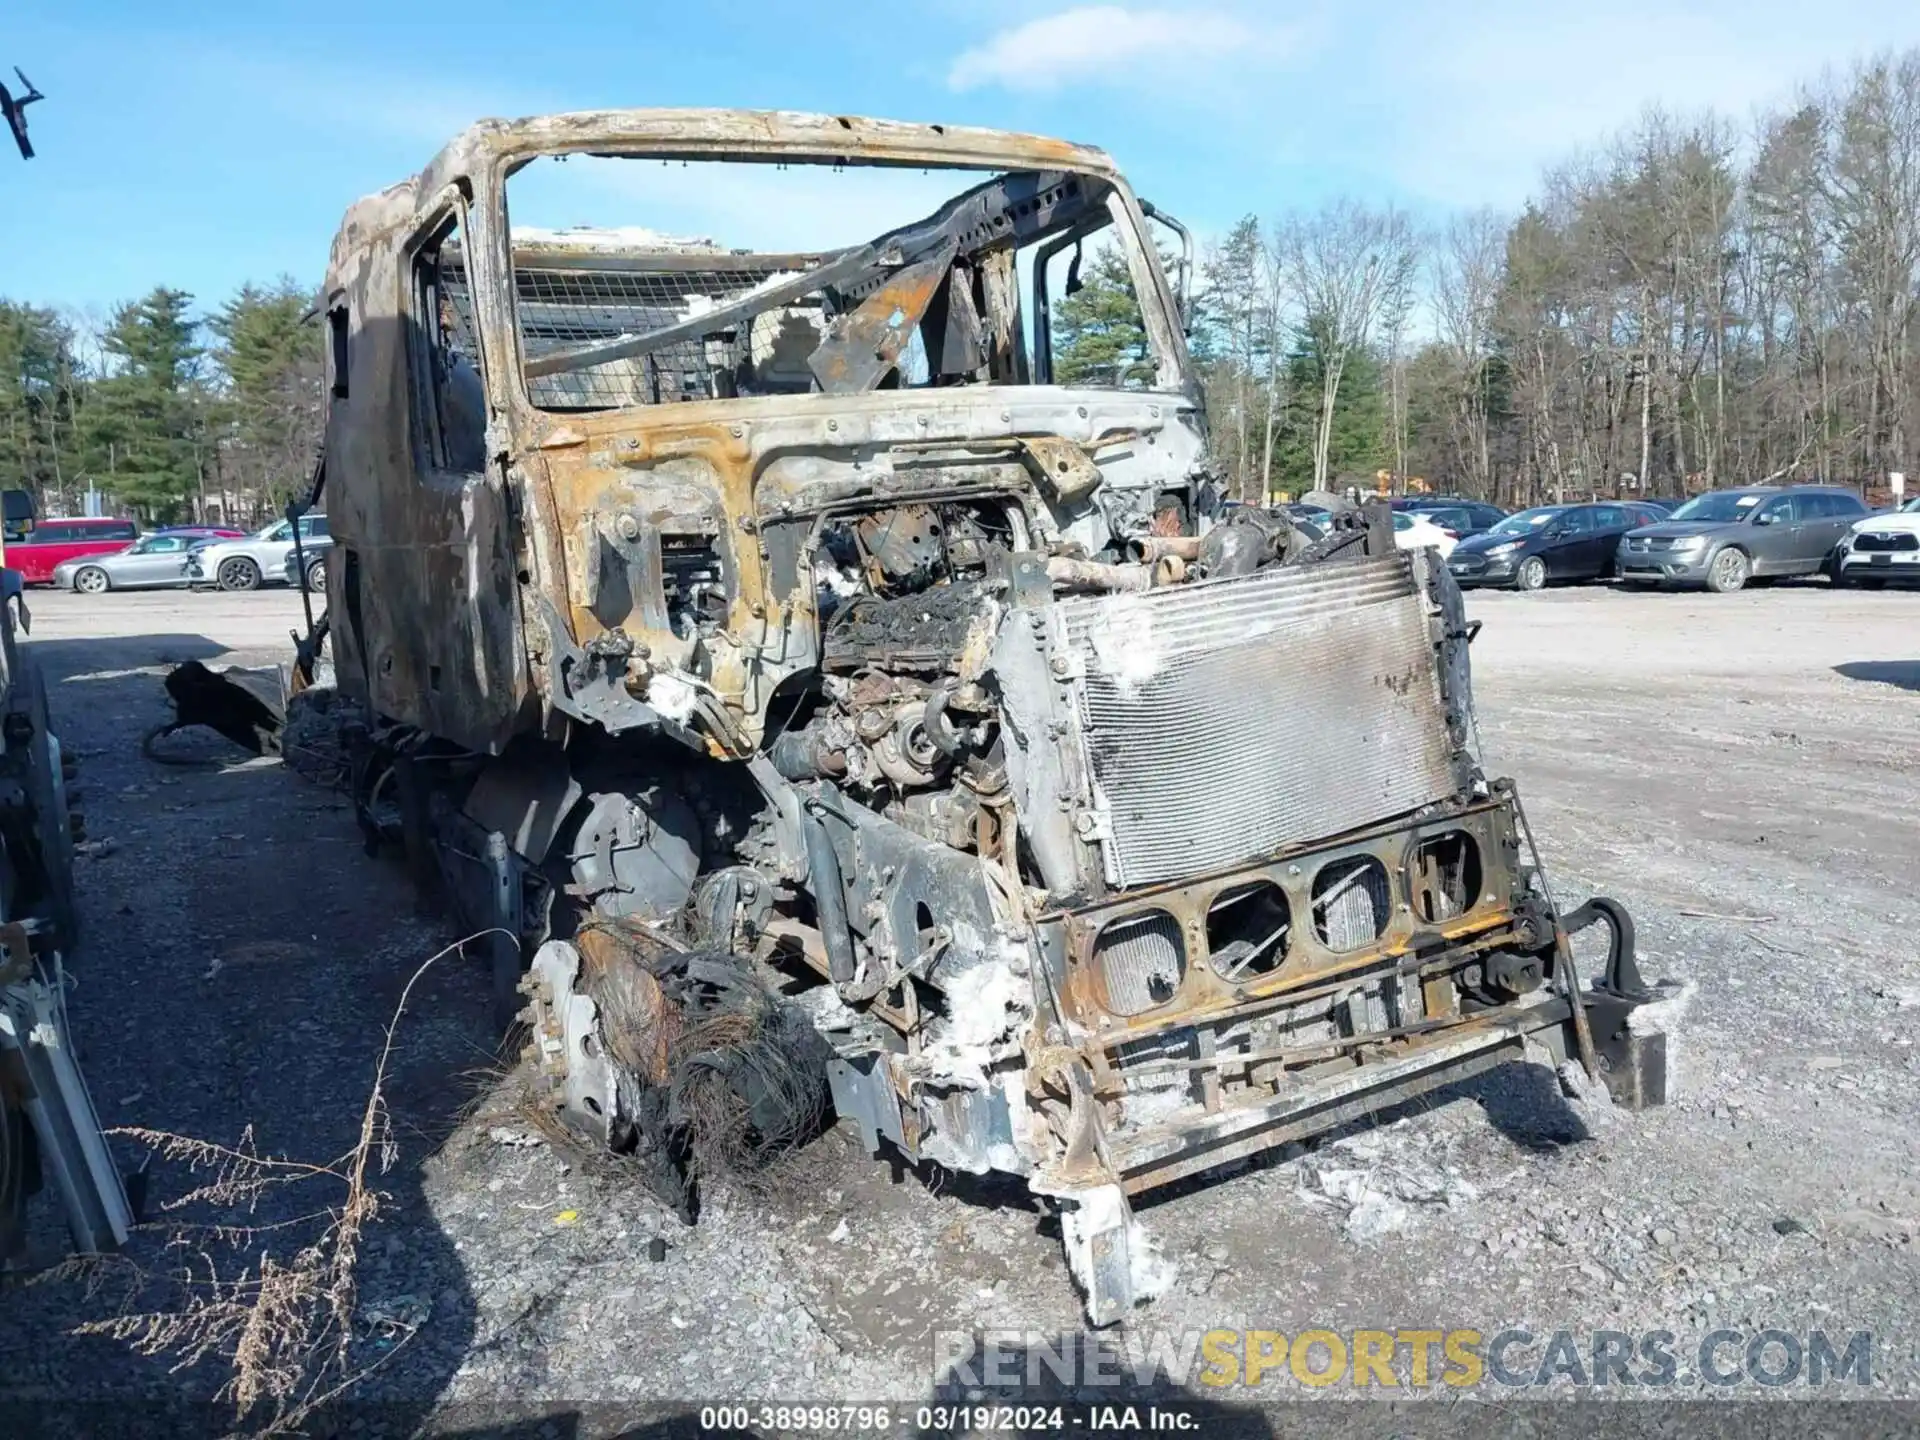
<point>1227,719</point>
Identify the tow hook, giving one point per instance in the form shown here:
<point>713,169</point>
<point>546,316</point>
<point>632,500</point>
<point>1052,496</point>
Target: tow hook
<point>1632,1060</point>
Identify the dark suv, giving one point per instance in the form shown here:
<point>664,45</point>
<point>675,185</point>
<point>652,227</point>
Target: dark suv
<point>1727,537</point>
<point>1549,542</point>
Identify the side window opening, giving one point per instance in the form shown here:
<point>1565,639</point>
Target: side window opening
<point>450,397</point>
<point>1096,330</point>
<point>337,350</point>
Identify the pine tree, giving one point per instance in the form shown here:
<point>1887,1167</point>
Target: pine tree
<point>37,398</point>
<point>272,406</point>
<point>1359,443</point>
<point>1099,337</point>
<point>148,416</point>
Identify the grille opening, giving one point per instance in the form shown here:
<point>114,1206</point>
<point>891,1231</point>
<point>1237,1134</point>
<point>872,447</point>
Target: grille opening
<point>1350,902</point>
<point>1868,540</point>
<point>1446,876</point>
<point>1141,961</point>
<point>1247,931</point>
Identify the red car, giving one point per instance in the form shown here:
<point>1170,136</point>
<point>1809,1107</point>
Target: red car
<point>52,541</point>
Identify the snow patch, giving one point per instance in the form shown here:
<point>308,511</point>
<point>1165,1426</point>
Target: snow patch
<point>1662,1016</point>
<point>984,1006</point>
<point>1095,1212</point>
<point>612,240</point>
<point>671,696</point>
<point>1386,1188</point>
<point>1124,642</point>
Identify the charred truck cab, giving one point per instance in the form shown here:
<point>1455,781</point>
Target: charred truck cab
<point>849,638</point>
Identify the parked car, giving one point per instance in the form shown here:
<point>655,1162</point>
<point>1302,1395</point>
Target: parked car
<point>1464,519</point>
<point>53,541</point>
<point>1549,542</point>
<point>152,562</point>
<point>1314,519</point>
<point>1725,538</point>
<point>1880,548</point>
<point>1416,530</point>
<point>201,532</point>
<point>259,559</point>
<point>314,553</point>
<point>1443,502</point>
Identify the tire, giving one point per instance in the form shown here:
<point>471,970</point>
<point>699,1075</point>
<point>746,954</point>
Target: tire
<point>1532,574</point>
<point>317,575</point>
<point>1729,571</point>
<point>1841,580</point>
<point>92,580</point>
<point>237,572</point>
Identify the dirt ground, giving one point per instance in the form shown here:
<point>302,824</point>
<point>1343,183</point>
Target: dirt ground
<point>1740,771</point>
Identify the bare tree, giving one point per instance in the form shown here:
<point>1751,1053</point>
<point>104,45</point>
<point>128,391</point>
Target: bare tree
<point>1686,305</point>
<point>1875,186</point>
<point>1468,267</point>
<point>1341,264</point>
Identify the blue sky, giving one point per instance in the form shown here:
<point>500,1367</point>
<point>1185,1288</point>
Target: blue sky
<point>207,144</point>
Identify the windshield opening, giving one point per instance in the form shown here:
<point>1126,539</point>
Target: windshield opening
<point>639,281</point>
<point>1720,507</point>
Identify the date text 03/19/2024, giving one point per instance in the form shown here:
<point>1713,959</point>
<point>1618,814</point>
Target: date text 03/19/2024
<point>953,1418</point>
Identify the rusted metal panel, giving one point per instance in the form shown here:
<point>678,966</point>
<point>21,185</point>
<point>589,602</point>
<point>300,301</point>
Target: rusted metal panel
<point>866,345</point>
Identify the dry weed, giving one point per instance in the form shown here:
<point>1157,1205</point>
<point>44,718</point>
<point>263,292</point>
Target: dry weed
<point>283,1323</point>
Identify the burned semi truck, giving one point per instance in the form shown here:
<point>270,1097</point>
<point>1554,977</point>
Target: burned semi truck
<point>841,640</point>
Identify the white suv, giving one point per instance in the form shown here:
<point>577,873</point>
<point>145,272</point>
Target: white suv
<point>1881,548</point>
<point>260,559</point>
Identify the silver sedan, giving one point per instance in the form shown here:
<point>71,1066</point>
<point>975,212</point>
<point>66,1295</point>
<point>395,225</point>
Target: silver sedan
<point>151,562</point>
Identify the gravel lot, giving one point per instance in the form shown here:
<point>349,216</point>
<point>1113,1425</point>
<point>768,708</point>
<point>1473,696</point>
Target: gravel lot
<point>1740,771</point>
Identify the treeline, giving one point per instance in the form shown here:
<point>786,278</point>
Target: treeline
<point>168,415</point>
<point>1697,303</point>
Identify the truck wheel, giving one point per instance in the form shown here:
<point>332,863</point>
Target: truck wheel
<point>92,581</point>
<point>239,573</point>
<point>1729,571</point>
<point>1531,575</point>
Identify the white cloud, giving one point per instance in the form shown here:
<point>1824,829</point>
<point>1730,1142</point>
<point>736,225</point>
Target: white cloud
<point>1110,44</point>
